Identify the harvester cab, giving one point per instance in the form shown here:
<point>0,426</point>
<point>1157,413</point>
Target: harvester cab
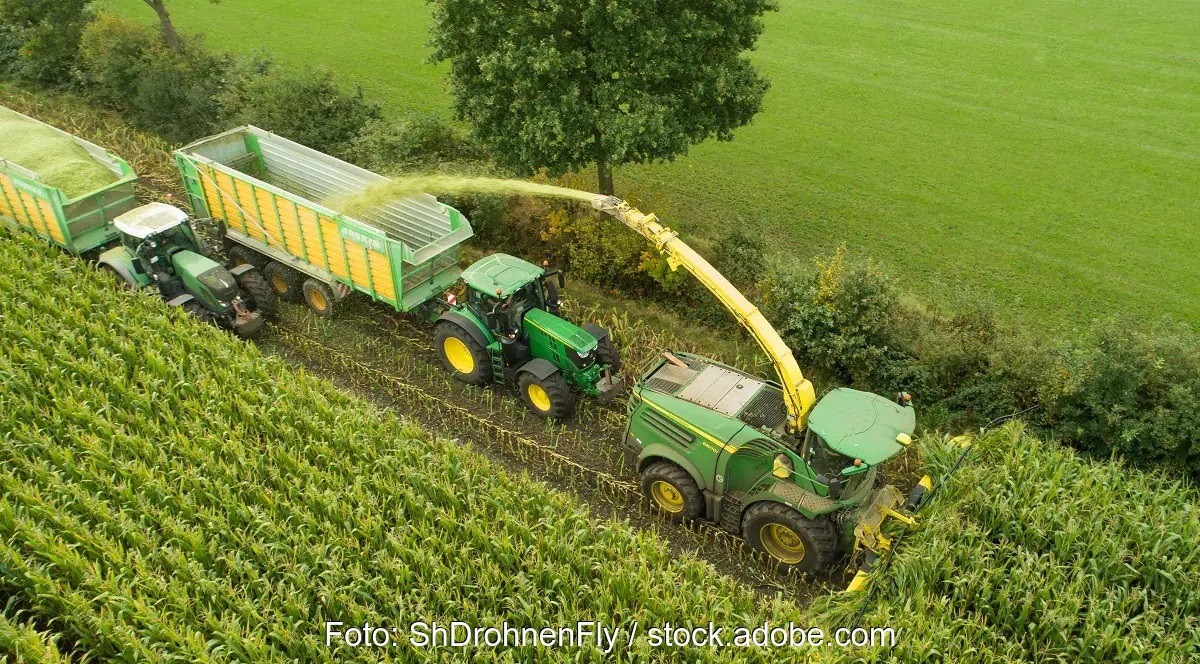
<point>159,248</point>
<point>509,331</point>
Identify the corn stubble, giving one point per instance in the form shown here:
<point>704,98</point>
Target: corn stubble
<point>171,494</point>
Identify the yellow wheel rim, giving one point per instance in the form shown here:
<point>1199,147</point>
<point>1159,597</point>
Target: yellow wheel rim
<point>279,283</point>
<point>667,496</point>
<point>317,299</point>
<point>782,543</point>
<point>459,355</point>
<point>538,396</point>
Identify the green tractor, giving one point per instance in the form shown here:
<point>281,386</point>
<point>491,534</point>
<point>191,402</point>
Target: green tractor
<point>510,331</point>
<point>159,248</point>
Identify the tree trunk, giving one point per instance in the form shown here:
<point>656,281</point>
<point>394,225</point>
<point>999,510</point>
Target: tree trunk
<point>603,170</point>
<point>168,29</point>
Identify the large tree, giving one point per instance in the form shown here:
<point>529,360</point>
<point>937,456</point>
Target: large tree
<point>561,84</point>
<point>170,35</point>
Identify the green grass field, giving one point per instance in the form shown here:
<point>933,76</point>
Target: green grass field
<point>1045,153</point>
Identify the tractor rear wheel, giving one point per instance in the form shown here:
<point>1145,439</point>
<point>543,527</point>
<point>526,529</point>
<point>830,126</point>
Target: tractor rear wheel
<point>319,297</point>
<point>548,397</point>
<point>672,490</point>
<point>606,348</point>
<point>257,294</point>
<point>462,355</point>
<point>239,256</point>
<point>792,541</point>
<point>287,283</point>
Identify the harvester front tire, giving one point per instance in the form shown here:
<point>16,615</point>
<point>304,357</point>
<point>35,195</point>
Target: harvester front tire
<point>287,283</point>
<point>257,294</point>
<point>672,490</point>
<point>462,355</point>
<point>606,348</point>
<point>319,297</point>
<point>548,397</point>
<point>790,540</point>
<point>239,256</point>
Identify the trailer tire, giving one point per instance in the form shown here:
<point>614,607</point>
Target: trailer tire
<point>257,293</point>
<point>461,354</point>
<point>548,397</point>
<point>287,283</point>
<point>792,541</point>
<point>319,297</point>
<point>239,255</point>
<point>672,490</point>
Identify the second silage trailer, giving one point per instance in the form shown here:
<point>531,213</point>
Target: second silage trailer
<point>269,195</point>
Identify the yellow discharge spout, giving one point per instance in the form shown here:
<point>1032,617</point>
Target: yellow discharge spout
<point>798,391</point>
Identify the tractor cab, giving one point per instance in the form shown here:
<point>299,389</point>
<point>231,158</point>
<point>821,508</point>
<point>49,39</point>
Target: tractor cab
<point>501,290</point>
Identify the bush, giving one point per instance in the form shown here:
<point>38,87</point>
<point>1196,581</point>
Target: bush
<point>307,108</point>
<point>1131,389</point>
<point>419,142</point>
<point>129,68</point>
<point>39,39</point>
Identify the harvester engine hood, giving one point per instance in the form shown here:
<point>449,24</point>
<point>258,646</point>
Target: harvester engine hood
<point>862,426</point>
<point>206,279</point>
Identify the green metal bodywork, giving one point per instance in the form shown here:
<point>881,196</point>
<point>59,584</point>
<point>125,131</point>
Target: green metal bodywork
<point>726,428</point>
<point>500,274</point>
<point>189,266</point>
<point>498,278</point>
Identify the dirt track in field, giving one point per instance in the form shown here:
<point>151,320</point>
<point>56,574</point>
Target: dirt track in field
<point>388,357</point>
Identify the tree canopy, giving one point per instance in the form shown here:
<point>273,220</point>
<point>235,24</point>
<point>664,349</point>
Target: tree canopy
<point>561,84</point>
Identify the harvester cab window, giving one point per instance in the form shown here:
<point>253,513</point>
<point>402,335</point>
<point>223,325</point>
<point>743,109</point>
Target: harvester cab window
<point>822,459</point>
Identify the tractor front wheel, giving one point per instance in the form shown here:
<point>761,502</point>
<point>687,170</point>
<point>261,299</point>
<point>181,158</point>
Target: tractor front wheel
<point>548,397</point>
<point>792,541</point>
<point>672,490</point>
<point>287,283</point>
<point>462,355</point>
<point>257,294</point>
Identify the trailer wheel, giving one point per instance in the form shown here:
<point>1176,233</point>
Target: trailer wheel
<point>672,490</point>
<point>548,397</point>
<point>257,294</point>
<point>319,297</point>
<point>792,541</point>
<point>239,256</point>
<point>462,355</point>
<point>287,283</point>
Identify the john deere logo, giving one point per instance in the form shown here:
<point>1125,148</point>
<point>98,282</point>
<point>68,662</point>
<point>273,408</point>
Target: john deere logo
<point>371,242</point>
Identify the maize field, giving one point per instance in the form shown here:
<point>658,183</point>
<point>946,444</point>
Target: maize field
<point>1031,553</point>
<point>172,494</point>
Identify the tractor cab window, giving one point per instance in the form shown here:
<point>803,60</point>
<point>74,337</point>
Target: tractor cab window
<point>822,459</point>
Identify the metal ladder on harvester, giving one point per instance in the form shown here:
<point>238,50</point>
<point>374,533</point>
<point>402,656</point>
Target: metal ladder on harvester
<point>497,356</point>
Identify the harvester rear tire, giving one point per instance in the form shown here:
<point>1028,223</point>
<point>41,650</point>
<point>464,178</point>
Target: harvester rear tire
<point>239,255</point>
<point>257,294</point>
<point>606,348</point>
<point>672,490</point>
<point>319,297</point>
<point>287,283</point>
<point>548,397</point>
<point>775,529</point>
<point>462,355</point>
